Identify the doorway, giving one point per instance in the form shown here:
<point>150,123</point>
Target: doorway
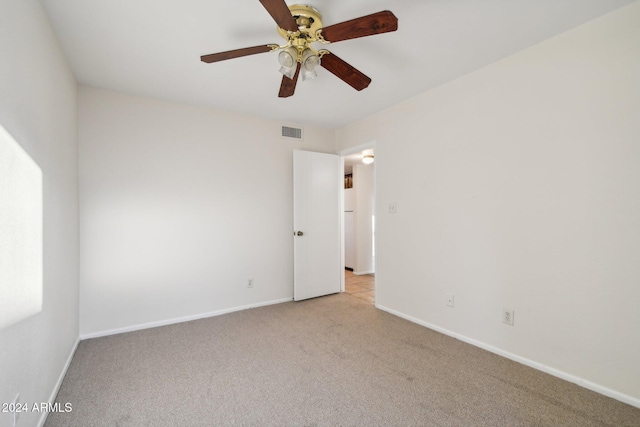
<point>362,287</point>
<point>358,224</point>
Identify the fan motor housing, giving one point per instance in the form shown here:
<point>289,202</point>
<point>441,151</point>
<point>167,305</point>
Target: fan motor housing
<point>309,22</point>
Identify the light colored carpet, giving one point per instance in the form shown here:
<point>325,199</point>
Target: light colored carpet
<point>329,361</point>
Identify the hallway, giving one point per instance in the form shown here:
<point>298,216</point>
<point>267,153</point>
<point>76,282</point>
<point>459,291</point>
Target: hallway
<point>362,287</point>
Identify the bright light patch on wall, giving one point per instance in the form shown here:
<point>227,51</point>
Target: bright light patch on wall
<point>20,233</point>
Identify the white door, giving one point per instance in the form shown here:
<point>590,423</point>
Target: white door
<point>316,222</point>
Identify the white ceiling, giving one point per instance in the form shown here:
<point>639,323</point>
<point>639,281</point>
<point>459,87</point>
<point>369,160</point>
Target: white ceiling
<point>153,48</point>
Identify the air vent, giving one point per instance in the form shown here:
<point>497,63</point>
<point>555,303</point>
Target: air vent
<point>292,132</point>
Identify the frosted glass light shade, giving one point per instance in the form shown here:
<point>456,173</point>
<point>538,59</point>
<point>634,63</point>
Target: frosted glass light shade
<point>309,63</point>
<point>309,74</point>
<point>309,60</point>
<point>288,59</point>
<point>289,72</point>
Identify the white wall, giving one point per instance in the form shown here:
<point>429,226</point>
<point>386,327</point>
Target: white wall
<point>517,186</point>
<point>38,108</point>
<point>179,207</point>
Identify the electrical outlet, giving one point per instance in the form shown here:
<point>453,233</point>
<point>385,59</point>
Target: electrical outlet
<point>450,300</point>
<point>392,208</point>
<point>250,283</point>
<point>507,316</point>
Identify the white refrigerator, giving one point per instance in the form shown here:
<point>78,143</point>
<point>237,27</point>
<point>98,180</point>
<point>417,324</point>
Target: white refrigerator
<point>349,229</point>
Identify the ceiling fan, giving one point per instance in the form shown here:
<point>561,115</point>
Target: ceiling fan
<point>300,26</point>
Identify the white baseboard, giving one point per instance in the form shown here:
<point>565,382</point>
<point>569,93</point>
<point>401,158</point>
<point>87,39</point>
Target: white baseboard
<point>56,389</point>
<point>179,319</point>
<point>629,400</point>
<point>360,273</point>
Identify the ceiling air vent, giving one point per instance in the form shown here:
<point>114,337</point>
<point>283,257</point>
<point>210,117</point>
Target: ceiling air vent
<point>292,132</point>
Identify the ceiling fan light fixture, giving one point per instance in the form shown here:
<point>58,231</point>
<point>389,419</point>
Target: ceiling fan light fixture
<point>300,26</point>
<point>287,57</point>
<point>310,62</point>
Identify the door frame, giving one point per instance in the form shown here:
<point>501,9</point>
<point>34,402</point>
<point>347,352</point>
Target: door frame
<point>343,153</point>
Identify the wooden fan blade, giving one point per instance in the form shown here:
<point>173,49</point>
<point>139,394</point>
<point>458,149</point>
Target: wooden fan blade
<point>281,14</point>
<point>344,71</point>
<point>288,86</point>
<point>230,54</point>
<point>377,23</point>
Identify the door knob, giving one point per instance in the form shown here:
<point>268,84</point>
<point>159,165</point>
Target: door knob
<point>299,233</point>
